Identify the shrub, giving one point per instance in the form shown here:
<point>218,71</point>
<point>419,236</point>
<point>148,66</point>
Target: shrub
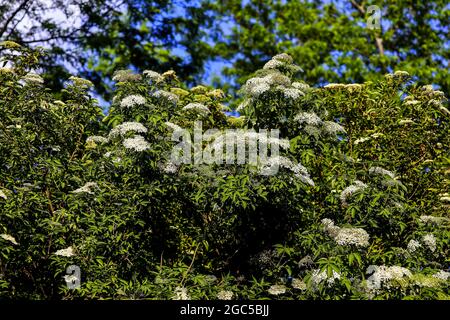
<point>358,208</point>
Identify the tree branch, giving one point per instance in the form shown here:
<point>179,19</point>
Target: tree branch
<point>13,15</point>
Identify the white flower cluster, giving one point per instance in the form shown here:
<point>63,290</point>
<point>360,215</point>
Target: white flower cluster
<point>442,275</point>
<point>137,143</point>
<point>126,76</point>
<point>361,140</point>
<point>181,293</point>
<point>3,195</point>
<point>277,289</point>
<point>278,60</point>
<point>397,75</point>
<point>32,77</point>
<point>97,139</point>
<point>225,295</point>
<point>273,64</point>
<point>352,236</point>
<point>125,127</point>
<point>292,93</point>
<point>429,240</point>
<point>413,245</point>
<point>346,236</point>
<point>241,137</point>
<point>332,86</point>
<point>197,107</point>
<point>381,171</point>
<point>272,163</point>
<point>350,190</point>
<point>132,100</point>
<point>257,86</point>
<point>170,167</point>
<point>9,238</point>
<point>412,102</point>
<point>80,82</point>
<point>284,57</point>
<point>333,127</point>
<point>317,277</point>
<point>68,252</point>
<point>384,277</point>
<point>432,219</point>
<point>309,118</point>
<point>169,96</point>
<point>153,76</point>
<point>298,284</point>
<point>87,188</point>
<point>433,93</point>
<point>301,86</point>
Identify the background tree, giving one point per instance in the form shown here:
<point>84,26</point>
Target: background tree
<point>95,38</point>
<point>330,39</point>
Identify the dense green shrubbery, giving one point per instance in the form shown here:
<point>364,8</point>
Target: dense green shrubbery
<point>359,208</point>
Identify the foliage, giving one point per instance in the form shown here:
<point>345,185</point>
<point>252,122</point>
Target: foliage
<point>98,37</point>
<point>358,210</point>
<point>331,39</point>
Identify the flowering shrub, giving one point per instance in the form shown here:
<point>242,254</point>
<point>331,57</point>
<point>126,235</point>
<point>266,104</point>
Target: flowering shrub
<point>359,208</point>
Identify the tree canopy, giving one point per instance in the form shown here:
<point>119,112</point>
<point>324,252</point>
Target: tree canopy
<point>328,39</point>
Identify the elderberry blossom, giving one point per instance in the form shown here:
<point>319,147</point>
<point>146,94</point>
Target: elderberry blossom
<point>197,107</point>
<point>126,76</point>
<point>96,139</point>
<point>346,236</point>
<point>153,76</point>
<point>333,127</point>
<point>137,143</point>
<point>225,295</point>
<point>132,100</point>
<point>384,277</point>
<point>381,171</point>
<point>442,275</point>
<point>429,240</point>
<point>318,277</point>
<point>432,219</point>
<point>181,293</point>
<point>87,188</point>
<point>68,252</point>
<point>277,289</point>
<point>298,284</point>
<point>309,118</point>
<point>32,77</point>
<point>166,95</point>
<point>413,245</point>
<point>125,127</point>
<point>357,186</point>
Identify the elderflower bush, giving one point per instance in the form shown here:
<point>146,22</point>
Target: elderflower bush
<point>352,212</point>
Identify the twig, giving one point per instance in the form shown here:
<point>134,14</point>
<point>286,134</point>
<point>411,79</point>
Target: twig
<point>190,266</point>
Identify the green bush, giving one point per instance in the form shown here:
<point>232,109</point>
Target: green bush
<point>358,210</point>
